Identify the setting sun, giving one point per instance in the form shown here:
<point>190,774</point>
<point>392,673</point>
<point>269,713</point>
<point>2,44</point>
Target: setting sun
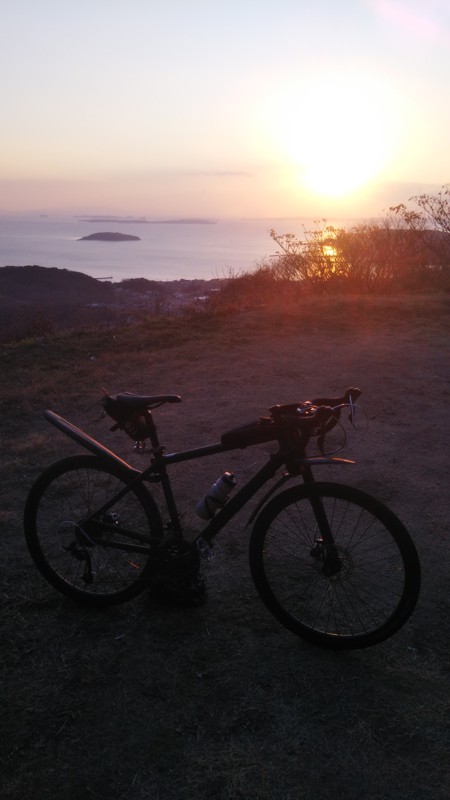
<point>336,135</point>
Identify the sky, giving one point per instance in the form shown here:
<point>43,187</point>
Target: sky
<point>243,108</point>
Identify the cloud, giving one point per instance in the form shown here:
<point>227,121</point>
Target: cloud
<point>219,173</point>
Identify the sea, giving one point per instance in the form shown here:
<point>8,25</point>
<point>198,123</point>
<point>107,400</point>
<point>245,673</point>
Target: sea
<point>167,250</point>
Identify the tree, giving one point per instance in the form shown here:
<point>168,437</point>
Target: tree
<point>314,260</point>
<point>436,208</point>
<point>383,253</point>
<point>433,219</point>
<point>407,249</point>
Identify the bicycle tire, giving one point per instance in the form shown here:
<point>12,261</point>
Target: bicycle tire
<point>372,593</point>
<point>73,559</point>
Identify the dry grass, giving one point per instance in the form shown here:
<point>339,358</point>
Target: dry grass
<point>143,702</point>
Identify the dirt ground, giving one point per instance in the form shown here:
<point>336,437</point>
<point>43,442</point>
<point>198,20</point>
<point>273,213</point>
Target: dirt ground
<point>144,702</point>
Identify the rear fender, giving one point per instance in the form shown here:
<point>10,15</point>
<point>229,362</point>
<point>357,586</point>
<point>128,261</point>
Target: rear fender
<point>87,441</point>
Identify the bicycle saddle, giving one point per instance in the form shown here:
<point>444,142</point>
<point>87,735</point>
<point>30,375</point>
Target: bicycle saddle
<point>140,402</point>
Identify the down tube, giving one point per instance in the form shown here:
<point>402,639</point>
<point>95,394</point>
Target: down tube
<point>241,498</point>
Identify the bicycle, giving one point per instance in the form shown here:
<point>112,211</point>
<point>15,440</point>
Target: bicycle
<point>331,563</point>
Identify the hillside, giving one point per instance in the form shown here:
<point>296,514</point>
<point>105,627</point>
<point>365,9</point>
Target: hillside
<point>146,701</point>
<point>36,299</point>
<point>49,285</point>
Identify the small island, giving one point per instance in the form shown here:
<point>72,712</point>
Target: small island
<point>109,237</point>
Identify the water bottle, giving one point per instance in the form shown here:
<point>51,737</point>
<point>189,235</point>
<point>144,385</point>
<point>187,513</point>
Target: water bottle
<point>216,497</point>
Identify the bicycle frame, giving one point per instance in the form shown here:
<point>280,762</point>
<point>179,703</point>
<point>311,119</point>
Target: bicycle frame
<point>297,463</point>
<point>330,562</point>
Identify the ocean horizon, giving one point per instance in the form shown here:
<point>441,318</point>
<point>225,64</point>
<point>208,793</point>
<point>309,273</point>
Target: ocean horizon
<point>167,249</point>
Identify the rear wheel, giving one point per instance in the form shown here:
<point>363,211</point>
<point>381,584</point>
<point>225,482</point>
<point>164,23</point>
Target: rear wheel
<point>352,590</point>
<point>99,558</point>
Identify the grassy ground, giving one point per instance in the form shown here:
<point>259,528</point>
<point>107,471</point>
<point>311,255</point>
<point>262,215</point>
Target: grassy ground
<point>143,702</point>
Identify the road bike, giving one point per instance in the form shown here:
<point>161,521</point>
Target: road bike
<point>331,563</point>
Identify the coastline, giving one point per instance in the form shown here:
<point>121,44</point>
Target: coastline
<point>168,250</point>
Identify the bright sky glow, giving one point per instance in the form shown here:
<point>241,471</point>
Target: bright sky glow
<point>244,108</point>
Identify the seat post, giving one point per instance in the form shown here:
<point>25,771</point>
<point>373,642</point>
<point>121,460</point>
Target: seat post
<point>164,479</point>
<point>152,432</point>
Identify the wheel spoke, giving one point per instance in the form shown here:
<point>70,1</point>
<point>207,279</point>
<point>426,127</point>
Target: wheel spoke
<point>74,549</point>
<point>351,590</point>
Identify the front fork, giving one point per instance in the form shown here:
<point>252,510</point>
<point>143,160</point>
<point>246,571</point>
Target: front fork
<point>324,549</point>
<point>328,556</point>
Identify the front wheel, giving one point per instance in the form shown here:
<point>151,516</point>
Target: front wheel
<point>91,553</point>
<point>334,565</point>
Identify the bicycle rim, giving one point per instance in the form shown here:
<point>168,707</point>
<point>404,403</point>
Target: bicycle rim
<point>82,559</point>
<point>361,601</point>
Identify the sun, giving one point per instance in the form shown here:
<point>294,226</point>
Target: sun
<point>336,136</point>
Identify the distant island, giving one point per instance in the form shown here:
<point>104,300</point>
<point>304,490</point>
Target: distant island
<point>144,220</point>
<point>109,237</point>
